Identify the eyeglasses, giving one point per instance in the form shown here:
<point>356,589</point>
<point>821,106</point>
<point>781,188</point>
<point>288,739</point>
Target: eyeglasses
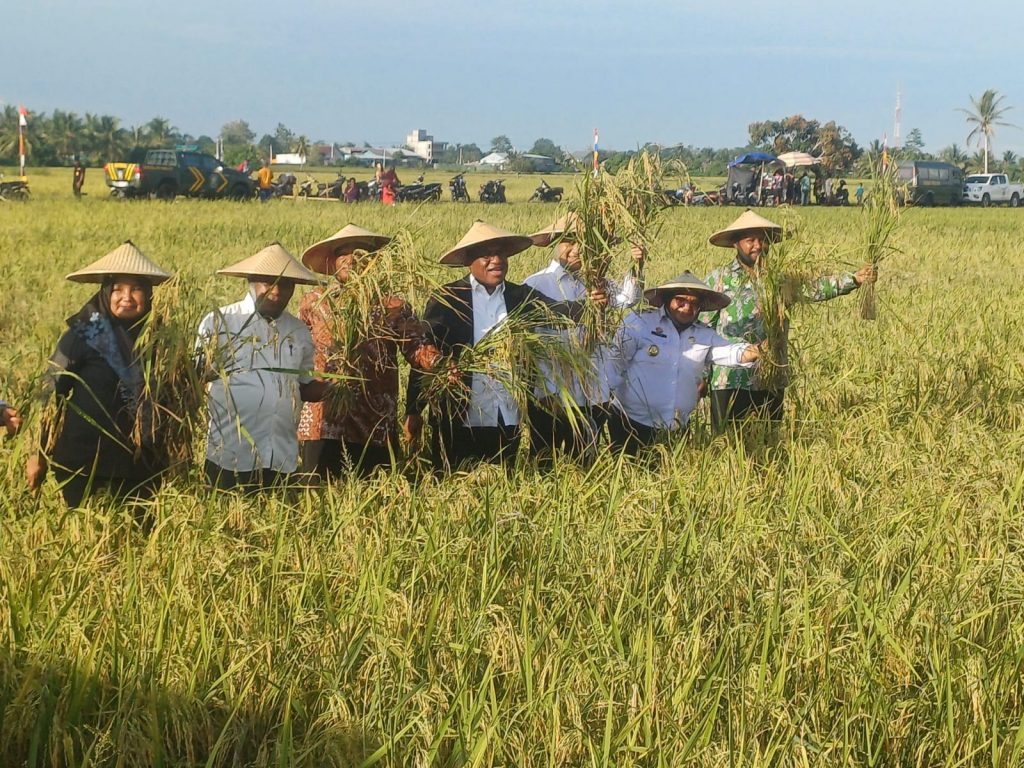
<point>490,257</point>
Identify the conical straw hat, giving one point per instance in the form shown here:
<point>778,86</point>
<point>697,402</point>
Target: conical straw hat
<point>483,238</point>
<point>548,235</point>
<point>747,222</point>
<point>710,300</point>
<point>126,259</point>
<point>273,263</point>
<point>347,239</point>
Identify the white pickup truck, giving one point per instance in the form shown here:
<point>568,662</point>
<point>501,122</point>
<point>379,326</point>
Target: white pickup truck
<point>988,188</point>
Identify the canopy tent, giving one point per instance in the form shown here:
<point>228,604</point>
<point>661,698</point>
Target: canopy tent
<point>755,158</point>
<point>798,159</point>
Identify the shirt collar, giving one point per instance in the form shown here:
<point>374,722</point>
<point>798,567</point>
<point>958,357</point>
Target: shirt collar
<point>478,288</point>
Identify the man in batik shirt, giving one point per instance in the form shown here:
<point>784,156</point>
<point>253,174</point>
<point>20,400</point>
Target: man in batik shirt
<point>358,428</point>
<point>735,392</point>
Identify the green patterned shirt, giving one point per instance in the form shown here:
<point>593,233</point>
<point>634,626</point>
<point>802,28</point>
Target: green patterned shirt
<point>741,320</point>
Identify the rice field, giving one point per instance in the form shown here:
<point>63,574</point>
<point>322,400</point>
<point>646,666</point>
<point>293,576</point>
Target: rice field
<point>844,590</point>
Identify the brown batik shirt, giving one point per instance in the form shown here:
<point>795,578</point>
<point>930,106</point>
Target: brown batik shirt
<point>367,413</point>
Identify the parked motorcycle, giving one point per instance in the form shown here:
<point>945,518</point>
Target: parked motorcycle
<point>493,191</point>
<point>284,186</point>
<point>545,193</point>
<point>13,190</point>
<point>457,187</point>
<point>418,192</point>
<point>313,188</point>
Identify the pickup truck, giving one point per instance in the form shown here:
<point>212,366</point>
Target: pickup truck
<point>166,173</point>
<point>989,188</point>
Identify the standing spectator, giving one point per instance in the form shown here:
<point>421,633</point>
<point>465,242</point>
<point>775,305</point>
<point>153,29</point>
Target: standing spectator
<point>805,189</point>
<point>258,360</point>
<point>736,392</point>
<point>358,432</point>
<point>265,177</point>
<point>551,429</point>
<point>350,193</point>
<point>828,190</point>
<point>102,434</point>
<point>859,193</point>
<point>79,178</point>
<point>662,354</point>
<point>389,181</point>
<point>486,426</point>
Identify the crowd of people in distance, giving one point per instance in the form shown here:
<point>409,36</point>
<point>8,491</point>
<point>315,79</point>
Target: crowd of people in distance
<point>784,187</point>
<point>281,406</point>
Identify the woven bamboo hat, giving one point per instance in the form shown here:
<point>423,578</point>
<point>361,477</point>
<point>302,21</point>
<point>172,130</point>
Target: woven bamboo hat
<point>272,263</point>
<point>747,222</point>
<point>126,259</point>
<point>345,240</point>
<point>564,228</point>
<point>710,300</point>
<point>484,238</point>
<point>548,235</point>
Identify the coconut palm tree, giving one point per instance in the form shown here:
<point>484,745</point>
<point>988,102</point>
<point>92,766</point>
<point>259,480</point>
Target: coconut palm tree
<point>1009,160</point>
<point>985,114</point>
<point>107,136</point>
<point>953,154</point>
<point>66,133</point>
<point>160,132</point>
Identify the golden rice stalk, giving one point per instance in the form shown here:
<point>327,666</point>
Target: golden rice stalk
<point>782,279</point>
<point>610,210</point>
<point>173,393</point>
<point>881,219</point>
<point>356,310</point>
<point>512,354</point>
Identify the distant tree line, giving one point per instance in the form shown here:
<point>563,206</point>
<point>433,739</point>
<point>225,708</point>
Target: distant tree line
<point>58,137</point>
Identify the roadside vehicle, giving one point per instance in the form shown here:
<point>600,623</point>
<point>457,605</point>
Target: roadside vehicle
<point>986,189</point>
<point>166,173</point>
<point>457,187</point>
<point>493,191</point>
<point>14,190</point>
<point>930,182</point>
<point>545,193</point>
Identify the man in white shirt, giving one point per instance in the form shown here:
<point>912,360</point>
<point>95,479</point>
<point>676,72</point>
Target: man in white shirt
<point>551,428</point>
<point>662,354</point>
<point>487,428</point>
<point>259,361</point>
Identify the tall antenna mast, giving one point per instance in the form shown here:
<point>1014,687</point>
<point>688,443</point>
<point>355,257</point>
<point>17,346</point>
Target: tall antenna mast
<point>896,132</point>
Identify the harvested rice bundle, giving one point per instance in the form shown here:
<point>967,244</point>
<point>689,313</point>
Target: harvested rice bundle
<point>881,214</point>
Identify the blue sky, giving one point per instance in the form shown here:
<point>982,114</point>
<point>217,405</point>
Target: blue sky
<point>670,71</point>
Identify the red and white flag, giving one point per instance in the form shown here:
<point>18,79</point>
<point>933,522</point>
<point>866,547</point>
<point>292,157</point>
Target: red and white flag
<point>22,117</point>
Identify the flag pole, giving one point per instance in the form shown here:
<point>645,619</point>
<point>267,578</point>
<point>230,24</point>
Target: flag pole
<point>595,153</point>
<point>22,124</point>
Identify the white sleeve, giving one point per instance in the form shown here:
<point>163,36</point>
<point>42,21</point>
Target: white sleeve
<point>727,354</point>
<point>627,293</point>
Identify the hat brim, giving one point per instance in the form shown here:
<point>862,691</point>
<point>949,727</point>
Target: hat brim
<point>710,301</point>
<point>727,238</point>
<point>508,245</point>
<point>103,276</point>
<point>268,278</point>
<point>317,256</point>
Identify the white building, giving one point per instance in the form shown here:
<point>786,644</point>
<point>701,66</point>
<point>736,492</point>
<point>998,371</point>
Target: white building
<point>421,143</point>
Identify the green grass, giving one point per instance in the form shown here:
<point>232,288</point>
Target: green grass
<point>846,591</point>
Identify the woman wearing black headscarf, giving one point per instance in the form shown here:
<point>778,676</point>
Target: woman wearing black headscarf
<point>102,435</point>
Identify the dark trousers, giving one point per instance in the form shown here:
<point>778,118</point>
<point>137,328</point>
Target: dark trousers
<point>731,405</point>
<point>575,437</point>
<point>257,480</point>
<point>629,436</point>
<point>457,447</point>
<point>335,458</point>
<point>78,485</point>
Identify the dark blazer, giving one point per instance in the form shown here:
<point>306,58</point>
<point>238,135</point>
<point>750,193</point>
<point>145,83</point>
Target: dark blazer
<point>449,314</point>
